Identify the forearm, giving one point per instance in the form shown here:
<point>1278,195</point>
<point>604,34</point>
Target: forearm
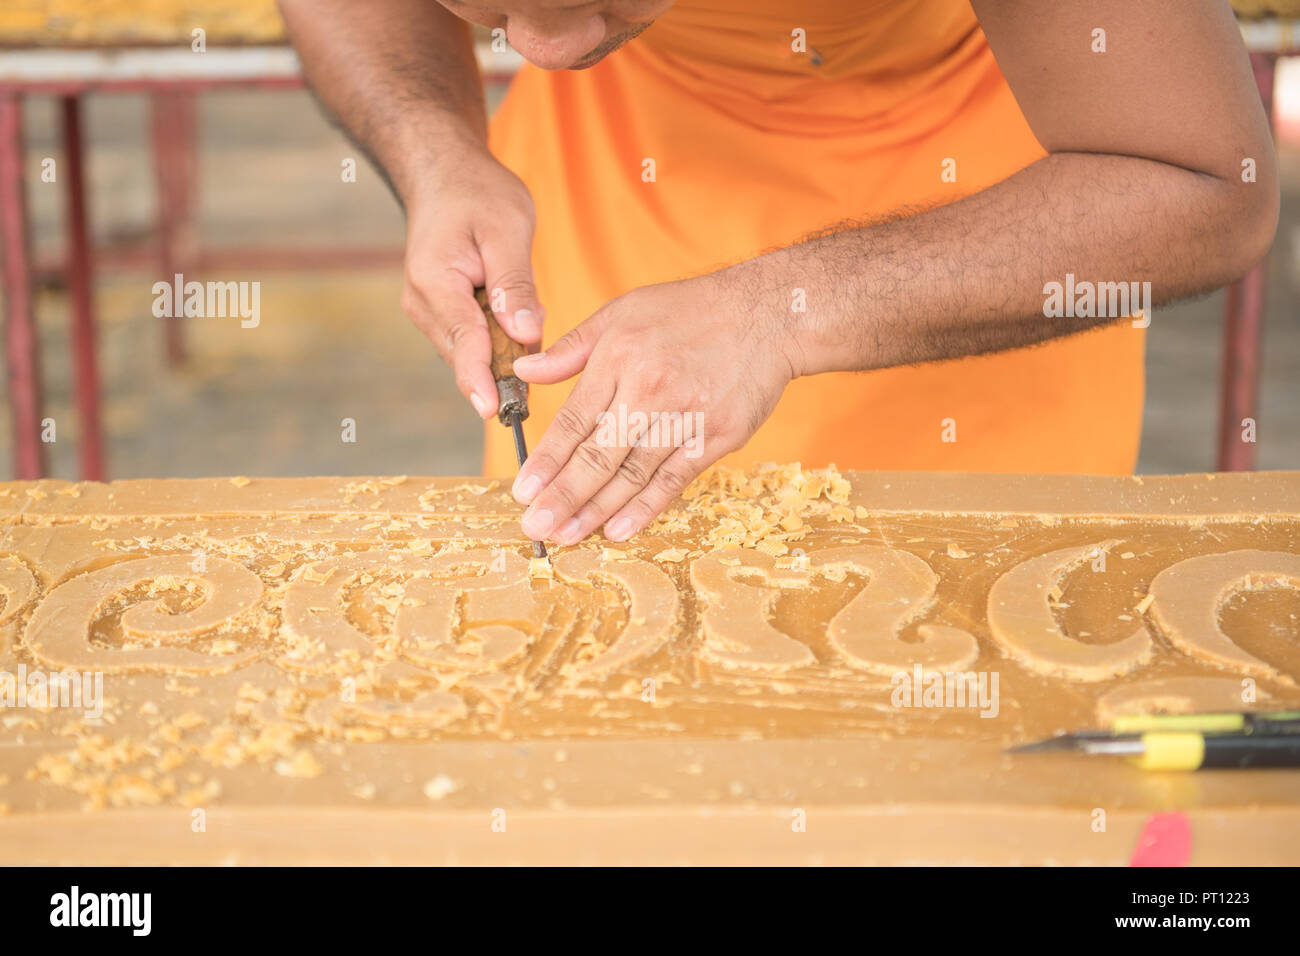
<point>399,75</point>
<point>968,278</point>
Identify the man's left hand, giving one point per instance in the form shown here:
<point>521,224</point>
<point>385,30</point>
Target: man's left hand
<point>673,377</point>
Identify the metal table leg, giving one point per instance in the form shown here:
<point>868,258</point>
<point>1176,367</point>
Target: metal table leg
<point>175,162</point>
<point>1243,329</point>
<point>80,279</point>
<point>22,344</point>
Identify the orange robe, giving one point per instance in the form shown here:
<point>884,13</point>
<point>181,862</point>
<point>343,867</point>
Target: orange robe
<point>756,144</point>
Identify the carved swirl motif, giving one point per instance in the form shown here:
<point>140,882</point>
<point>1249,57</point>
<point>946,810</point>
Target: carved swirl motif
<point>1021,620</point>
<point>419,631</point>
<point>431,595</point>
<point>1189,595</point>
<point>1173,695</point>
<point>652,607</point>
<point>497,600</point>
<point>59,631</point>
<point>18,585</point>
<point>899,588</point>
<point>735,623</point>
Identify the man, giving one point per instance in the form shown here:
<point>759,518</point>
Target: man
<point>814,231</point>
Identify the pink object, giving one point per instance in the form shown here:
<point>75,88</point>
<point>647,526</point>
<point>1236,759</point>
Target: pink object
<point>1166,840</point>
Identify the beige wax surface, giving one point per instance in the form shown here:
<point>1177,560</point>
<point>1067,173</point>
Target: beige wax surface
<point>371,670</point>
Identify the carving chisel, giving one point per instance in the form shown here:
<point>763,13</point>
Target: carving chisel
<point>512,392</point>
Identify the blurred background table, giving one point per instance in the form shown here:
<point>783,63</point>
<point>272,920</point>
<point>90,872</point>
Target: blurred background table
<point>172,51</point>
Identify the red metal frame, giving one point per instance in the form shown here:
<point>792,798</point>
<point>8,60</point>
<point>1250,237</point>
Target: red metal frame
<point>175,152</point>
<point>80,275</point>
<point>22,347</point>
<point>132,255</point>
<point>1243,330</point>
<point>174,141</point>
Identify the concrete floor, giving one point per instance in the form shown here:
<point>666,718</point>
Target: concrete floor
<point>335,346</point>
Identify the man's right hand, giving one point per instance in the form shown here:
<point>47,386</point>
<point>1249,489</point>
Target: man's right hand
<point>400,76</point>
<point>471,225</point>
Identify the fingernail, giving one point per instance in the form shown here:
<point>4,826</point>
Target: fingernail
<point>618,529</point>
<point>481,404</point>
<point>538,524</point>
<point>531,358</point>
<point>527,321</point>
<point>568,533</point>
<point>527,489</point>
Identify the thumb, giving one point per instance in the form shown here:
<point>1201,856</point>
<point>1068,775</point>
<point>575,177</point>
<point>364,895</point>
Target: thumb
<point>508,278</point>
<point>566,357</point>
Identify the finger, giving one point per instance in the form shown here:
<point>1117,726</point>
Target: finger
<point>630,478</point>
<point>669,480</point>
<point>566,357</point>
<point>572,425</point>
<point>593,464</point>
<point>596,463</point>
<point>508,275</point>
<point>458,330</point>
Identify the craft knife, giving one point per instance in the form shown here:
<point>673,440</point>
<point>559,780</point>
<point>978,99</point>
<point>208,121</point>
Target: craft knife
<point>1189,741</point>
<point>1193,750</point>
<point>1264,722</point>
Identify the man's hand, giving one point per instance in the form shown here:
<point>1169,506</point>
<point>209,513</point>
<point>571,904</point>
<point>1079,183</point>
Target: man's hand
<point>674,376</point>
<point>471,225</point>
<point>401,76</point>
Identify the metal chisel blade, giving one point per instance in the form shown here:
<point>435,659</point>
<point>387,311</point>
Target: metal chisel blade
<point>521,452</point>
<point>1059,742</point>
<point>1086,741</point>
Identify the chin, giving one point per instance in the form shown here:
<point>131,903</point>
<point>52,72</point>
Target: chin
<point>598,54</point>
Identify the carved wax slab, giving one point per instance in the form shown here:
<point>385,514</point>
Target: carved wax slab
<point>790,666</point>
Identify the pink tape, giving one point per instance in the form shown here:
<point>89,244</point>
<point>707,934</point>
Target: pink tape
<point>1166,840</point>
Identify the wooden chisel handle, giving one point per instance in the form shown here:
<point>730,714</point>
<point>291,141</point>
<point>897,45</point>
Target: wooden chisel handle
<point>512,392</point>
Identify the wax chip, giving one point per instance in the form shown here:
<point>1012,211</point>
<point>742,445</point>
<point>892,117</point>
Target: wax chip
<point>440,786</point>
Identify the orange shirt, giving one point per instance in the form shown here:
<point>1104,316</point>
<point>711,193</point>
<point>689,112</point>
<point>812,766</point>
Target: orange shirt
<point>756,144</point>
